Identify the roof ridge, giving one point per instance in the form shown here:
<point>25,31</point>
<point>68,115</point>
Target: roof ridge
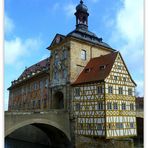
<point>105,55</point>
<point>37,63</point>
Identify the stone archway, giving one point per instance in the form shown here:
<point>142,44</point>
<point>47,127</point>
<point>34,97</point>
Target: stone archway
<point>58,100</point>
<point>40,133</point>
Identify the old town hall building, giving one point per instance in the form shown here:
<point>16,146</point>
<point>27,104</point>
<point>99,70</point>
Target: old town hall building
<point>84,76</point>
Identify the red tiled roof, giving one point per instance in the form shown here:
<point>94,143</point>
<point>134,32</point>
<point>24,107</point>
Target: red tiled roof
<point>38,66</point>
<point>97,69</point>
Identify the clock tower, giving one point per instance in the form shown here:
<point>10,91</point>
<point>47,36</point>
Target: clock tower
<point>69,55</point>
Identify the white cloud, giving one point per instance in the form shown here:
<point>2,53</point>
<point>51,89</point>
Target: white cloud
<point>9,24</point>
<point>70,9</point>
<point>130,29</point>
<point>128,37</point>
<point>17,48</point>
<point>130,20</point>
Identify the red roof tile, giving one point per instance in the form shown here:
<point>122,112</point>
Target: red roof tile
<point>38,66</point>
<point>97,69</point>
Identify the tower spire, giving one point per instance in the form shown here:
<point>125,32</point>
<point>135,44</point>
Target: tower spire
<point>81,16</point>
<point>81,1</point>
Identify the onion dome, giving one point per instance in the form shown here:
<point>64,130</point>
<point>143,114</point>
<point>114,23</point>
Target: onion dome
<point>82,7</point>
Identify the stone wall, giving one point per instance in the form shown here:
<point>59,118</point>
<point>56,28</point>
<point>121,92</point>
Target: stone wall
<point>76,63</point>
<point>86,142</point>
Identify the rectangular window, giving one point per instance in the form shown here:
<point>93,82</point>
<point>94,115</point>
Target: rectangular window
<point>41,84</point>
<point>115,106</point>
<point>77,92</point>
<point>39,103</point>
<point>123,105</point>
<point>35,86</point>
<point>124,79</point>
<point>129,91</point>
<point>110,89</point>
<point>33,104</point>
<point>131,106</point>
<point>64,73</point>
<point>83,54</point>
<point>115,78</point>
<point>100,105</point>
<point>120,90</point>
<point>109,126</point>
<point>109,105</point>
<point>77,106</point>
<point>119,67</point>
<point>89,126</point>
<point>131,125</point>
<point>81,125</point>
<point>100,90</point>
<point>119,125</point>
<point>56,75</point>
<point>46,83</point>
<point>45,103</point>
<point>64,54</point>
<point>99,126</point>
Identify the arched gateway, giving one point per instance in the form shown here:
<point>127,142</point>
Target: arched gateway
<point>58,100</point>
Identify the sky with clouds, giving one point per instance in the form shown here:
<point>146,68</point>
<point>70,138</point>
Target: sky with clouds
<point>30,26</point>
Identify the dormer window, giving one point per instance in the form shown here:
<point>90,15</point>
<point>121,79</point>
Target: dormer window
<point>102,67</point>
<point>87,70</point>
<point>83,54</point>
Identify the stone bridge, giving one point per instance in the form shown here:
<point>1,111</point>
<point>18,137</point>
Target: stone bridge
<point>53,122</point>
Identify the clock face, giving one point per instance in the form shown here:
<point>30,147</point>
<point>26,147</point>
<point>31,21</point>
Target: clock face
<point>57,39</point>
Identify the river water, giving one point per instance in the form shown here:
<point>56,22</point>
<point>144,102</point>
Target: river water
<point>11,143</point>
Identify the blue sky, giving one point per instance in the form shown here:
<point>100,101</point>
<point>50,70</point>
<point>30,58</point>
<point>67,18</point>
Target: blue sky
<point>30,26</point>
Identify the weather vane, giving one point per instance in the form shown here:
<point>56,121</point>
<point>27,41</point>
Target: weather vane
<point>81,1</point>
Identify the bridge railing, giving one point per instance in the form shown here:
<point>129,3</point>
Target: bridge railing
<point>36,111</point>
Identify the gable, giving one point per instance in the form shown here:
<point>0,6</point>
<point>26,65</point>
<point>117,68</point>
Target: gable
<point>57,39</point>
<point>97,69</point>
<point>120,71</point>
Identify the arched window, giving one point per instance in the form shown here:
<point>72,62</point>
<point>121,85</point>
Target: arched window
<point>58,100</point>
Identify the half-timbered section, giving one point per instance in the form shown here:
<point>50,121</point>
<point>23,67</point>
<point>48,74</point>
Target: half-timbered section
<point>103,98</point>
<point>120,101</point>
<point>88,107</point>
<point>30,90</point>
